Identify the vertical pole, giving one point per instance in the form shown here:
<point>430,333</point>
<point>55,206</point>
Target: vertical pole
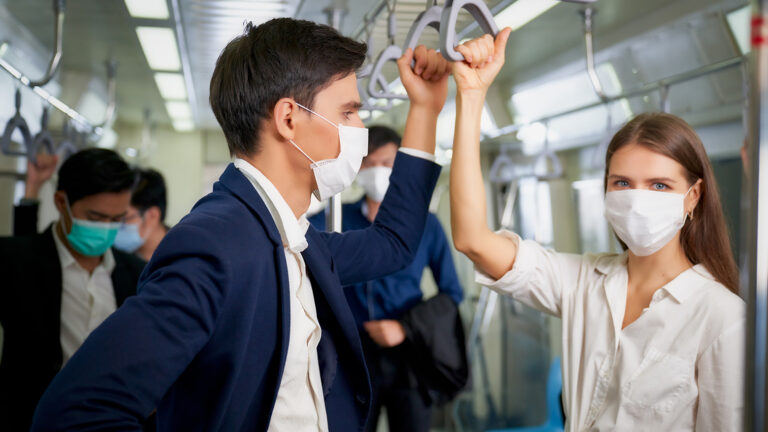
<point>333,210</point>
<point>754,271</point>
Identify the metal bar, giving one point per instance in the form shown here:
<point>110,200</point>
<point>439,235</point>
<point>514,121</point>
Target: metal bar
<point>109,114</point>
<point>184,53</point>
<point>53,65</point>
<point>333,210</point>
<point>587,14</point>
<point>648,88</point>
<point>370,16</point>
<point>754,274</point>
<point>53,100</point>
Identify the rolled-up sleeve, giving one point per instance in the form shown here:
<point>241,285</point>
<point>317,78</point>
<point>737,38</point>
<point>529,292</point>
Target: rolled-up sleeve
<point>539,277</point>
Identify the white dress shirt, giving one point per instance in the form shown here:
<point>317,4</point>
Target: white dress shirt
<point>678,367</point>
<point>86,299</point>
<point>300,405</point>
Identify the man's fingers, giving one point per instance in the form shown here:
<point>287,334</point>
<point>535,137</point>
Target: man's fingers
<point>421,57</point>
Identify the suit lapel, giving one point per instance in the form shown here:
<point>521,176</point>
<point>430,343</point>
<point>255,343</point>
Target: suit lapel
<point>50,269</point>
<point>332,309</point>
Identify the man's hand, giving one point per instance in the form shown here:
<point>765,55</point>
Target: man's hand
<point>387,333</point>
<point>39,172</point>
<point>483,59</point>
<point>427,82</point>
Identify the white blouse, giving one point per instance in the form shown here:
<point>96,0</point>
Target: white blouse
<point>678,367</point>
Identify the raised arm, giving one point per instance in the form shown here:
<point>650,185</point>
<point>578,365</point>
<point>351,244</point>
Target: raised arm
<point>493,254</point>
<point>392,240</point>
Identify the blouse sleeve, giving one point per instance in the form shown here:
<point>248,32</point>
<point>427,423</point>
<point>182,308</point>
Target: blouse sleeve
<point>539,278</point>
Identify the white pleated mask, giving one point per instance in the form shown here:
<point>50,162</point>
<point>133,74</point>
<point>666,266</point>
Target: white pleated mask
<point>375,181</point>
<point>645,220</point>
<point>335,175</point>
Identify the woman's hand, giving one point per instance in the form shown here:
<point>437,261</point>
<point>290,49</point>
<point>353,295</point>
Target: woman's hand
<point>483,59</point>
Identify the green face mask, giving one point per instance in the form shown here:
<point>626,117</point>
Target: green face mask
<point>91,238</point>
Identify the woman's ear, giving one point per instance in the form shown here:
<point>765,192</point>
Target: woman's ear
<point>692,200</point>
<point>284,118</point>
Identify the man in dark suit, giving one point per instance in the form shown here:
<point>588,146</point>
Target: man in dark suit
<point>61,284</point>
<point>240,322</point>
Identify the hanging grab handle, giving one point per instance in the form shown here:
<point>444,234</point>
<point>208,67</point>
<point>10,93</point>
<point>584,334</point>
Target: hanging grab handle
<point>479,11</point>
<point>43,138</point>
<point>389,54</point>
<point>428,18</point>
<point>53,65</point>
<point>16,122</point>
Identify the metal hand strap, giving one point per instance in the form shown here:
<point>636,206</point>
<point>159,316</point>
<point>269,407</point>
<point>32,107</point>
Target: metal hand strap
<point>428,18</point>
<point>58,8</point>
<point>16,122</point>
<point>477,9</point>
<point>544,156</point>
<point>67,147</point>
<point>388,54</point>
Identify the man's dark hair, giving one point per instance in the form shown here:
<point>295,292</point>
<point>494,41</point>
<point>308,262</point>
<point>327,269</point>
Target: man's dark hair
<point>149,192</point>
<point>280,58</point>
<point>94,171</point>
<point>379,136</point>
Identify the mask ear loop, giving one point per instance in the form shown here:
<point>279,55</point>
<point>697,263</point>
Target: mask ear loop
<point>321,116</point>
<point>689,215</point>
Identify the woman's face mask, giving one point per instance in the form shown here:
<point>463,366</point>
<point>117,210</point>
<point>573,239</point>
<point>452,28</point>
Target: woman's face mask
<point>334,175</point>
<point>645,220</point>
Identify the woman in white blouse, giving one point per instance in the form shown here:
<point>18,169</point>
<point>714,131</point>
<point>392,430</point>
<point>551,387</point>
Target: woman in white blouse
<point>653,338</point>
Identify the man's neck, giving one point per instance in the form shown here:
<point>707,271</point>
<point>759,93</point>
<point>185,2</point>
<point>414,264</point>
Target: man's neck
<point>86,262</point>
<point>151,242</point>
<point>373,208</point>
<point>294,187</point>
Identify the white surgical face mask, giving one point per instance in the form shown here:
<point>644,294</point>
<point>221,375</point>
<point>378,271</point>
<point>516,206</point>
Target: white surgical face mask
<point>375,181</point>
<point>335,175</point>
<point>645,220</point>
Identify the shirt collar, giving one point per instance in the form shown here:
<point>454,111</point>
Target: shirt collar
<point>66,258</point>
<point>687,282</point>
<point>292,231</point>
<point>680,288</point>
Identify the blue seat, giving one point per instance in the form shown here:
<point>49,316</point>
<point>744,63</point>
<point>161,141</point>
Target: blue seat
<point>554,422</point>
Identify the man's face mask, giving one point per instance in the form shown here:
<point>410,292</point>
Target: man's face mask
<point>128,238</point>
<point>335,175</point>
<point>91,238</point>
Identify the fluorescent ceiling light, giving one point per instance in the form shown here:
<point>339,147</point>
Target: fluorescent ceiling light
<point>522,12</point>
<point>159,45</point>
<point>171,85</point>
<point>183,125</point>
<point>738,20</point>
<point>178,110</point>
<point>154,9</point>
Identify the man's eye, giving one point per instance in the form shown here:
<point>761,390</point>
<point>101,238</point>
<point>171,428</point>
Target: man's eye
<point>348,114</point>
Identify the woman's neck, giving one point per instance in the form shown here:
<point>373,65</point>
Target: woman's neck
<point>654,271</point>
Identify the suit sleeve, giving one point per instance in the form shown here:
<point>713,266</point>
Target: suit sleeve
<point>441,262</point>
<point>390,243</point>
<point>123,369</point>
<point>25,219</point>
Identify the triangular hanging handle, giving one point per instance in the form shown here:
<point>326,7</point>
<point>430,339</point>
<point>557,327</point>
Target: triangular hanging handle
<point>17,122</point>
<point>478,10</point>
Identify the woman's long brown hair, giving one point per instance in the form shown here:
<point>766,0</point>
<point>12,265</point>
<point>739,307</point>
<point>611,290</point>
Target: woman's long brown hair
<point>704,237</point>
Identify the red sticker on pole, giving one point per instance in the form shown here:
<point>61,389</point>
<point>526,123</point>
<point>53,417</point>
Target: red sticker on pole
<point>759,33</point>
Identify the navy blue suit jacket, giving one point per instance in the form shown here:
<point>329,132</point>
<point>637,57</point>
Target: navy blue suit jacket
<point>205,339</point>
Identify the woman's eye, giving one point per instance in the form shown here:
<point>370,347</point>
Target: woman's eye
<point>659,186</point>
<point>622,183</point>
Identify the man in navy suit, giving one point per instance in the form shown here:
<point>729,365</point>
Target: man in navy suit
<point>240,322</point>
